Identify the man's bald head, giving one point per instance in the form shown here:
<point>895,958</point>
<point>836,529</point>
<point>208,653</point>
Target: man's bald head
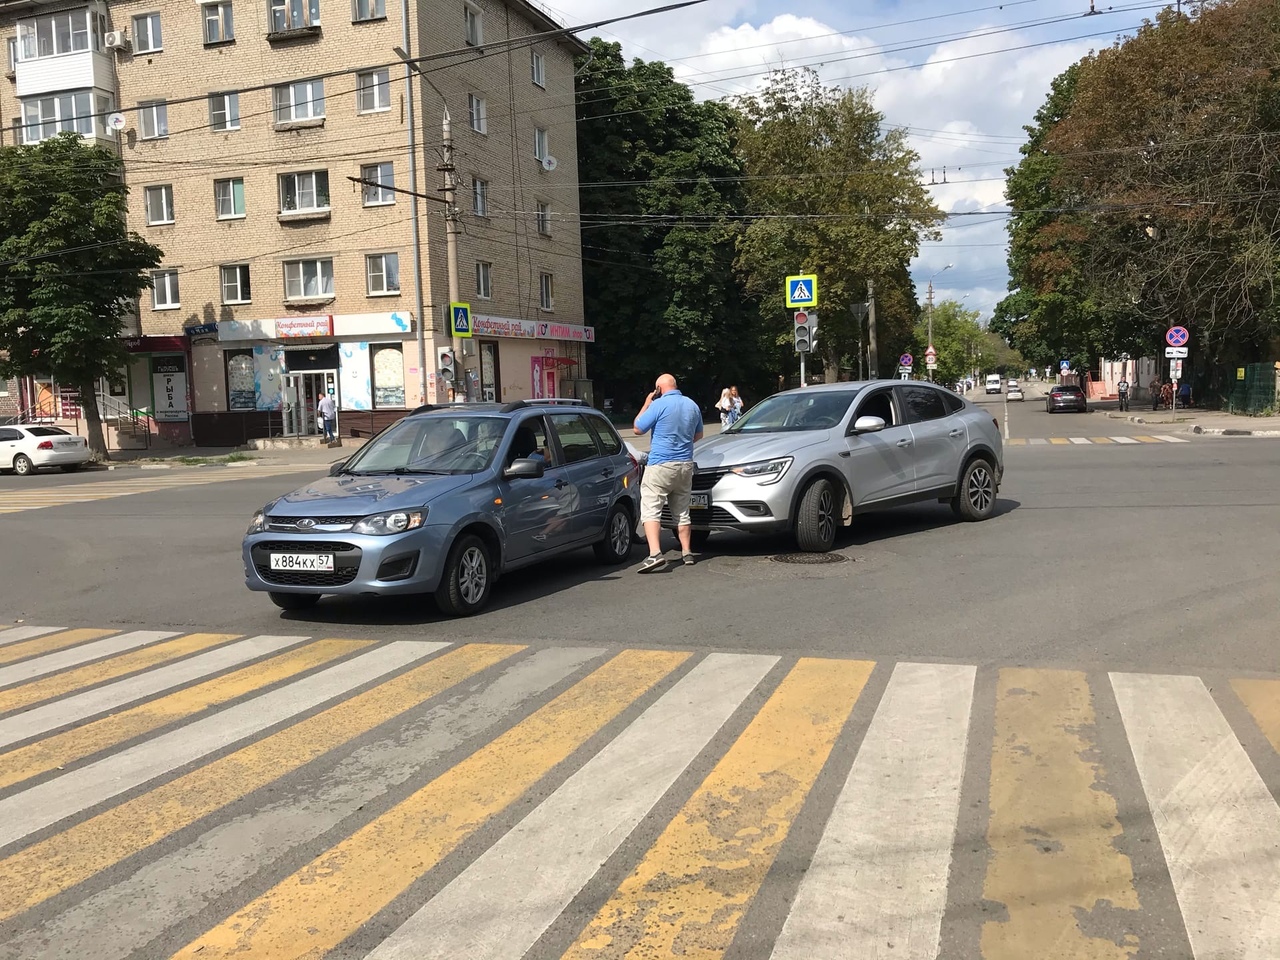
<point>666,382</point>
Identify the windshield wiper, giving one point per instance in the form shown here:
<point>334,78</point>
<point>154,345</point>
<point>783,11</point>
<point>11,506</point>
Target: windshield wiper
<point>401,471</point>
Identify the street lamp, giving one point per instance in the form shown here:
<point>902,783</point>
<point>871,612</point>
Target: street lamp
<point>943,270</point>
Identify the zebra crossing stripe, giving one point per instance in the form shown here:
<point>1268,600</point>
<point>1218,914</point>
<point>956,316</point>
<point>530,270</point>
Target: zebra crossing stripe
<point>76,655</point>
<point>1262,699</point>
<point>14,634</point>
<point>1167,439</point>
<point>1218,823</point>
<point>1125,440</point>
<point>879,874</point>
<point>42,645</point>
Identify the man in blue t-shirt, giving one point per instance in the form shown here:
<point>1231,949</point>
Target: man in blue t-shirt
<point>676,423</point>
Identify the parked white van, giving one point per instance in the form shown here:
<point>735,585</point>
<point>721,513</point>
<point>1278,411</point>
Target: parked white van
<point>993,383</point>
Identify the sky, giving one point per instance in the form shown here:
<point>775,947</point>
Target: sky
<point>963,76</point>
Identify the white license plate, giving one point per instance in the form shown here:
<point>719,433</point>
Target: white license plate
<point>700,501</point>
<point>302,561</point>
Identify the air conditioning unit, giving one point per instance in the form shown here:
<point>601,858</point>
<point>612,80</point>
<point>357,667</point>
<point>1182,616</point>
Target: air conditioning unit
<point>116,40</point>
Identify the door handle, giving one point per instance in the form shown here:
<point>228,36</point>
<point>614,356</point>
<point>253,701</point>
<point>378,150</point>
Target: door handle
<point>606,473</point>
<point>904,443</point>
<point>561,484</point>
<point>956,433</point>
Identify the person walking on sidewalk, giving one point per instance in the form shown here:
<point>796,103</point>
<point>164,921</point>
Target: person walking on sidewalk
<point>738,405</point>
<point>1122,388</point>
<point>1155,393</point>
<point>327,411</point>
<point>724,407</point>
<point>676,423</point>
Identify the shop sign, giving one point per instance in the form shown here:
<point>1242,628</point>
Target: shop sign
<point>483,326</point>
<point>566,331</point>
<point>155,344</point>
<point>291,327</point>
<point>169,381</point>
<point>372,324</point>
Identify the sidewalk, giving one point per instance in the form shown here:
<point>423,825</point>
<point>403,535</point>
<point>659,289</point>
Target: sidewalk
<point>1208,422</point>
<point>230,457</point>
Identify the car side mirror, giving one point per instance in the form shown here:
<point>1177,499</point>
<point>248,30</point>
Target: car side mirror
<point>868,425</point>
<point>527,469</point>
<point>337,468</point>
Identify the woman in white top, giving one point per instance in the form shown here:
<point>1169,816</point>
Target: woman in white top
<point>725,407</point>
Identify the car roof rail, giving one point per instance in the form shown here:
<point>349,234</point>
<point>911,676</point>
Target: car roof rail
<point>515,405</point>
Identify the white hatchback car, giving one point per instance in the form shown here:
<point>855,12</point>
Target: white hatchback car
<point>1014,391</point>
<point>25,448</point>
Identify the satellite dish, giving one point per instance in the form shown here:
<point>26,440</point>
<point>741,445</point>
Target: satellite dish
<point>549,163</point>
<point>116,121</point>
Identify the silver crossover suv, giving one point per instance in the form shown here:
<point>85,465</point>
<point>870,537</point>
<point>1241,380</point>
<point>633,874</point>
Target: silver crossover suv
<point>809,460</point>
<point>444,501</point>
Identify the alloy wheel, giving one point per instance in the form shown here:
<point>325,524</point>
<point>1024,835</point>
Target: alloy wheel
<point>473,575</point>
<point>827,516</point>
<point>980,489</point>
<point>620,533</point>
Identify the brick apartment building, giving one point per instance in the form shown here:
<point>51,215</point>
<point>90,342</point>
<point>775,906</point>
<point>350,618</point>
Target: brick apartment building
<point>281,278</point>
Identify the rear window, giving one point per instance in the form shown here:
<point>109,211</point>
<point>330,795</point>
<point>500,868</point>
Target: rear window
<point>47,432</point>
<point>1067,390</point>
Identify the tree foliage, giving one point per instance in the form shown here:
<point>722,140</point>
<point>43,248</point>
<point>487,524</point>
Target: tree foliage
<point>963,345</point>
<point>69,268</point>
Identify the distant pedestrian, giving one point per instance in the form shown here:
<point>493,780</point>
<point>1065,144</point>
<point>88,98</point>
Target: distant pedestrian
<point>1122,389</point>
<point>327,411</point>
<point>676,423</point>
<point>1184,394</point>
<point>1155,393</point>
<point>1166,395</point>
<point>738,405</point>
<point>724,407</point>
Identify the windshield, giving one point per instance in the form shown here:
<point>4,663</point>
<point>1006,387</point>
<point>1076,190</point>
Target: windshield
<point>465,443</point>
<point>802,410</point>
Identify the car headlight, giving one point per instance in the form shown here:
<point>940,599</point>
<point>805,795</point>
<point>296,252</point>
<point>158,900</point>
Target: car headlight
<point>764,471</point>
<point>387,524</point>
<point>258,523</point>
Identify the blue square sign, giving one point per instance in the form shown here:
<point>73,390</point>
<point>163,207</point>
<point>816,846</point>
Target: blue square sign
<point>460,319</point>
<point>802,290</point>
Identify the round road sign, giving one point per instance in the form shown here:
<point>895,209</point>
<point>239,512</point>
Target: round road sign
<point>930,354</point>
<point>1177,336</point>
<point>906,360</point>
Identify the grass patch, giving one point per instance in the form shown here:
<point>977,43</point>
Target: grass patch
<point>206,461</point>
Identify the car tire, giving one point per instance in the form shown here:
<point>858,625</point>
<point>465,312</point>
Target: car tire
<point>976,498</point>
<point>817,517</point>
<point>615,546</point>
<point>294,601</point>
<point>468,578</point>
<point>23,466</point>
<point>698,539</point>
<point>70,467</point>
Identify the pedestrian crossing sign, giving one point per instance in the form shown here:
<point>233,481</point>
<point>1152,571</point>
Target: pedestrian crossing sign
<point>460,319</point>
<point>802,290</point>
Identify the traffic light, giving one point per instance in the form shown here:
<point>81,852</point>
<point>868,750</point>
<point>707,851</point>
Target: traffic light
<point>806,331</point>
<point>446,364</point>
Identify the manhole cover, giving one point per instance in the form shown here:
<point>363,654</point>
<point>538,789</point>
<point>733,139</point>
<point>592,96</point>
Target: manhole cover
<point>809,558</point>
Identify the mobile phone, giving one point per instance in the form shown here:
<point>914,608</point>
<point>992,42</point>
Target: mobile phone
<point>657,392</point>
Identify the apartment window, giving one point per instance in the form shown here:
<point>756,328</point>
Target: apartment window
<point>219,27</point>
<point>546,291</point>
<point>299,101</point>
<point>13,65</point>
<point>368,10</point>
<point>484,280</point>
<point>153,117</point>
<point>164,290</point>
<point>308,279</point>
<point>538,68</point>
<point>479,197</point>
<point>473,24</point>
<point>242,393</point>
<point>235,283</point>
<point>541,147</point>
<point>146,33</point>
<point>479,113</point>
<point>228,198</point>
<point>388,374</point>
<point>294,15</point>
<point>224,111</point>
<point>383,273</point>
<point>304,192</point>
<point>379,192</point>
<point>373,91</point>
<point>544,218</point>
<point>58,33</point>
<point>45,117</point>
<point>159,203</point>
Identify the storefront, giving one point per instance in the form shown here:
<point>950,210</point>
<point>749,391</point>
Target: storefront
<point>530,360</point>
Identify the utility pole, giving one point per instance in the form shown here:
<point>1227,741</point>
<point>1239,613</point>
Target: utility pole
<point>451,232</point>
<point>413,204</point>
<point>930,343</point>
<point>873,359</point>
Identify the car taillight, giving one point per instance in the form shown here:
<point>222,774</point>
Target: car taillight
<point>46,445</point>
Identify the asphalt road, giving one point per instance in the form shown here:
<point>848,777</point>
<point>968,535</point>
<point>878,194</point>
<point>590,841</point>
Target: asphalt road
<point>1051,734</point>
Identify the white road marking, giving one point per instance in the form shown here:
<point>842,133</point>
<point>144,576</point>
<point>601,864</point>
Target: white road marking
<point>1125,440</point>
<point>1038,441</point>
<point>74,656</point>
<point>14,634</point>
<point>1083,440</point>
<point>1167,439</point>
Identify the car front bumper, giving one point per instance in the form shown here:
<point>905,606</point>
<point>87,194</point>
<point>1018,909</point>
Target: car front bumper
<point>362,565</point>
<point>738,503</point>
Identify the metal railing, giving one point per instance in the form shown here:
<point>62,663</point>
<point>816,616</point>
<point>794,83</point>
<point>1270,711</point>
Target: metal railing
<point>137,424</point>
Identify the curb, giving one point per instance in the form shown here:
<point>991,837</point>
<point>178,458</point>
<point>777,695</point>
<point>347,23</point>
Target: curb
<point>1233,432</point>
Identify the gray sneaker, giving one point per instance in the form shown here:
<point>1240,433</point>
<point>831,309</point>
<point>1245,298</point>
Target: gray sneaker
<point>653,564</point>
<point>689,559</point>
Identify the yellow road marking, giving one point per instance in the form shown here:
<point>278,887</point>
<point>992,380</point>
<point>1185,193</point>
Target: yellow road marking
<point>1059,441</point>
<point>311,912</point>
<point>691,890</point>
<point>1146,439</point>
<point>46,869</point>
<point>50,644</point>
<point>46,688</point>
<point>80,742</point>
<point>1101,440</point>
<point>1053,825</point>
<point>1262,698</point>
<point>1017,443</point>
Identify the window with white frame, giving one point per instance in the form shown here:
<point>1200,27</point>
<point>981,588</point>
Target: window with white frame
<point>544,218</point>
<point>308,279</point>
<point>473,25</point>
<point>235,283</point>
<point>228,198</point>
<point>294,15</point>
<point>373,91</point>
<point>159,203</point>
<point>299,101</point>
<point>219,25</point>
<point>478,111</point>
<point>164,290</point>
<point>379,192</point>
<point>146,33</point>
<point>224,111</point>
<point>45,117</point>
<point>479,197</point>
<point>538,68</point>
<point>383,273</point>
<point>304,192</point>
<point>546,291</point>
<point>484,280</point>
<point>153,118</point>
<point>541,143</point>
<point>13,65</point>
<point>54,34</point>
<point>368,10</point>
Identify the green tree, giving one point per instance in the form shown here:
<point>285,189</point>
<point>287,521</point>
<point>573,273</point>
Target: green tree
<point>69,269</point>
<point>831,192</point>
<point>660,191</point>
<point>960,341</point>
